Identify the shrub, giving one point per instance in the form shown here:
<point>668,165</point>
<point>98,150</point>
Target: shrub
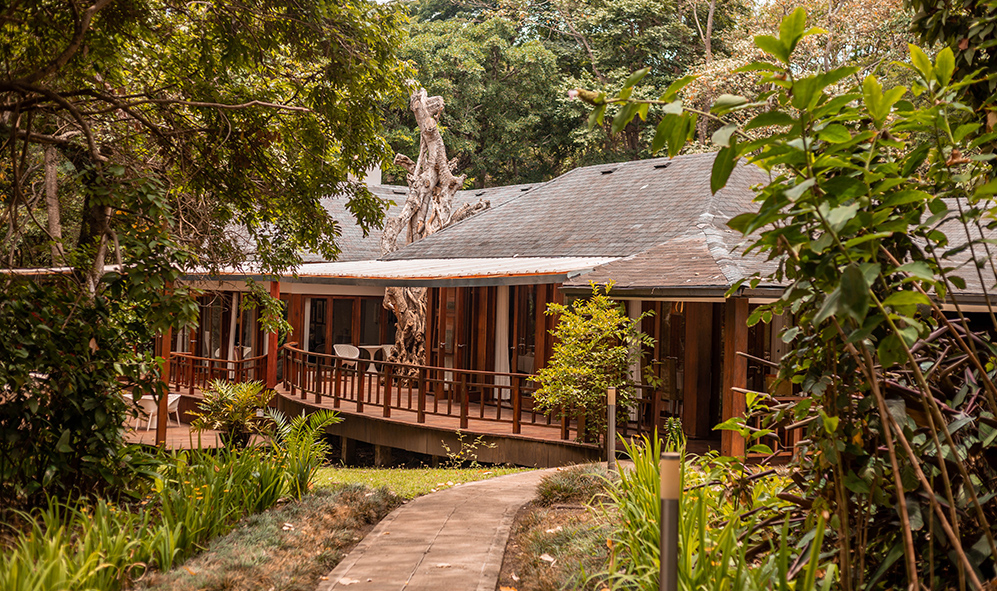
<point>301,446</point>
<point>595,346</point>
<point>233,409</point>
<point>577,484</point>
<point>61,402</point>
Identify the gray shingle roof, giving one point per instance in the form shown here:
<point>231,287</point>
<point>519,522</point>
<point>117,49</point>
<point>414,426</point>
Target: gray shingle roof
<point>355,246</point>
<point>616,209</point>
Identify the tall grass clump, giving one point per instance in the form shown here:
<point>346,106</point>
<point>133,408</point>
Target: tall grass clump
<point>194,497</point>
<point>727,536</point>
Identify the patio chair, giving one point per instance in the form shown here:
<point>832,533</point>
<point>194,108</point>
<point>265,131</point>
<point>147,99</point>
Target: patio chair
<point>150,407</point>
<point>348,352</point>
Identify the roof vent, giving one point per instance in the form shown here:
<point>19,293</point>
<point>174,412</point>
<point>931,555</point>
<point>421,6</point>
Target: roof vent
<point>526,188</point>
<point>479,193</point>
<point>608,171</point>
<point>398,191</point>
<point>662,165</point>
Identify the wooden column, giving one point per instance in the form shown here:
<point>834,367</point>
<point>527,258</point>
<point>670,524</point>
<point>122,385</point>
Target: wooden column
<point>162,416</point>
<point>697,380</point>
<point>735,371</point>
<point>272,343</point>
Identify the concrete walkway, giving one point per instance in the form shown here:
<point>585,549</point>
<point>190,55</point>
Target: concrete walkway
<point>452,540</point>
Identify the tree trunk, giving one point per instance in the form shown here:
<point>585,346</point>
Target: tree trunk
<point>428,208</point>
<point>52,207</point>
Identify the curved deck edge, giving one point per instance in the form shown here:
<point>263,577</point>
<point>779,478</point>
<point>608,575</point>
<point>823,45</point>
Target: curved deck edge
<point>427,439</point>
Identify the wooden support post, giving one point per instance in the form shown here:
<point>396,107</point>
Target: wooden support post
<point>697,382</point>
<point>382,456</point>
<point>272,343</point>
<point>349,450</point>
<point>735,371</point>
<point>162,415</point>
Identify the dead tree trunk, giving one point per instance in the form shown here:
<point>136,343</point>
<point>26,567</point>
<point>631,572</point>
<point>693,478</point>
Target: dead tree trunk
<point>429,207</point>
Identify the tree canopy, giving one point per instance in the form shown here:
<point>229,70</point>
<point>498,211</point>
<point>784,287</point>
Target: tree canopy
<point>505,69</point>
<point>163,137</point>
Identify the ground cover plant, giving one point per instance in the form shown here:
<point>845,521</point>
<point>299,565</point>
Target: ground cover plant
<point>558,540</point>
<point>879,209</point>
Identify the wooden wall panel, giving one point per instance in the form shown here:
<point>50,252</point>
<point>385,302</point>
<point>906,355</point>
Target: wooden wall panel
<point>697,380</point>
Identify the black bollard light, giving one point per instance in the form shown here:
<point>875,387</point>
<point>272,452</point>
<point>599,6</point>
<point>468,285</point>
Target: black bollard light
<point>611,431</point>
<point>671,489</point>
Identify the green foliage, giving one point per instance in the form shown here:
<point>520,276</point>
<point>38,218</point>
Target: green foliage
<point>234,409</point>
<point>880,208</point>
<point>301,445</point>
<point>967,29</point>
<point>64,364</point>
<point>719,532</point>
<point>596,344</point>
<point>573,484</point>
<point>195,497</point>
<point>504,70</point>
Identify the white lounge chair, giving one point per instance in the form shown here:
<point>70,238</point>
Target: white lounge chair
<point>347,352</point>
<point>150,407</point>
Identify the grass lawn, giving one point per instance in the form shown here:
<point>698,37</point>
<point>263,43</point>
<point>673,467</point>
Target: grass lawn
<point>408,483</point>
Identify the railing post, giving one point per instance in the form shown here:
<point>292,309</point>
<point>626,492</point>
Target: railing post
<point>463,401</point>
<point>387,389</point>
<point>565,426</point>
<point>357,382</point>
<point>289,369</point>
<point>336,383</point>
<point>517,405</point>
<point>421,411</point>
<point>191,387</point>
<point>304,377</point>
<point>319,382</point>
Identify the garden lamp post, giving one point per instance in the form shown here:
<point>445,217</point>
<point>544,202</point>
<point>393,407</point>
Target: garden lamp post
<point>671,489</point>
<point>611,428</point>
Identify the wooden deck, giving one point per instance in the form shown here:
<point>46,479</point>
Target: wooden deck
<point>177,437</point>
<point>422,409</point>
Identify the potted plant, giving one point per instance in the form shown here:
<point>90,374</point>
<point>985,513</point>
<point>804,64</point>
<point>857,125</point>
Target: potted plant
<point>235,410</point>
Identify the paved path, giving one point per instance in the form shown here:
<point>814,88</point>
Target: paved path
<point>453,540</point>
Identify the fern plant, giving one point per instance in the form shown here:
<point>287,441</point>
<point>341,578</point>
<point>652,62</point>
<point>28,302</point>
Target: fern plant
<point>300,445</point>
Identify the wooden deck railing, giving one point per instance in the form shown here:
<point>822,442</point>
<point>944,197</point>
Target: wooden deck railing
<point>196,373</point>
<point>427,391</point>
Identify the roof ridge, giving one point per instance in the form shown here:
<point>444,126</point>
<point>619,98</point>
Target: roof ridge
<point>722,256</point>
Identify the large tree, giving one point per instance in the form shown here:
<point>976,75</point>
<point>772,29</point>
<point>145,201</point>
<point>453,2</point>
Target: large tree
<point>162,136</point>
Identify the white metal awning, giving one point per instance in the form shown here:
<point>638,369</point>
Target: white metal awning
<point>441,272</point>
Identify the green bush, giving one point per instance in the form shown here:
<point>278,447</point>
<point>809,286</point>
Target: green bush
<point>233,409</point>
<point>595,344</point>
<point>723,542</point>
<point>61,402</point>
<point>300,445</point>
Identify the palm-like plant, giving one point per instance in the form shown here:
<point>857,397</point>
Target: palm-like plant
<point>300,443</point>
<point>232,410</point>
